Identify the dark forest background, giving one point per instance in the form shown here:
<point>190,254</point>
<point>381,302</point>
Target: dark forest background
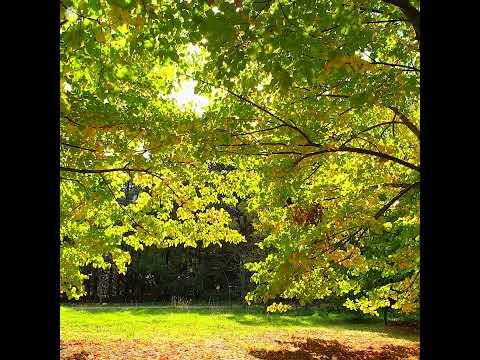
<point>213,275</point>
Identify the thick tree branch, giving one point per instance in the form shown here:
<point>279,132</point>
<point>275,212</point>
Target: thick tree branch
<point>406,121</point>
<point>362,151</point>
<point>412,14</point>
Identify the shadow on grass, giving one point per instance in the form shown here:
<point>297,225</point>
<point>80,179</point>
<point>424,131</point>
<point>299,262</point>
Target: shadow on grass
<point>255,317</point>
<point>337,321</point>
<point>332,349</point>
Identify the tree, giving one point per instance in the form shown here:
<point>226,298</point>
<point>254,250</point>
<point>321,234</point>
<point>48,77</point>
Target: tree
<point>328,97</point>
<point>316,104</point>
<point>114,127</point>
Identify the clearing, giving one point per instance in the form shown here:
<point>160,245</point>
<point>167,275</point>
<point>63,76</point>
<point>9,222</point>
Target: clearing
<point>223,333</point>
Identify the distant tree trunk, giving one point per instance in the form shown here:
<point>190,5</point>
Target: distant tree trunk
<point>243,280</point>
<point>388,308</point>
<point>109,294</point>
<point>141,289</point>
<point>94,287</point>
<point>103,285</point>
<point>86,284</point>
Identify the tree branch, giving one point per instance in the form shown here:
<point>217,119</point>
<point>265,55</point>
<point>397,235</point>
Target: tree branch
<point>362,151</point>
<point>70,120</point>
<point>370,128</point>
<point>124,169</point>
<point>406,67</point>
<point>269,144</point>
<point>385,21</point>
<point>267,3</point>
<point>77,147</point>
<point>80,15</point>
<point>102,171</point>
<point>122,207</point>
<point>395,198</point>
<point>293,127</point>
<point>75,180</point>
<point>396,185</point>
<point>412,14</point>
<point>313,172</point>
<point>262,153</point>
<point>406,121</point>
<point>261,130</point>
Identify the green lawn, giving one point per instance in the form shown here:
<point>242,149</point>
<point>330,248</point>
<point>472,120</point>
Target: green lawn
<point>138,333</point>
<point>192,325</point>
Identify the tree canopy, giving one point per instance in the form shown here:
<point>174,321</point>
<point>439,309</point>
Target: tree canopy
<point>311,108</point>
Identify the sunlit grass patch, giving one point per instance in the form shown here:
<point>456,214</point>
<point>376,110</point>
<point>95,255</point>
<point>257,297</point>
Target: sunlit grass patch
<point>195,324</point>
<point>121,333</point>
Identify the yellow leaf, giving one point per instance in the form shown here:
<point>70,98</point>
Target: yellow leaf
<point>71,129</point>
<point>125,16</point>
<point>90,131</point>
<point>139,22</point>
<point>100,36</point>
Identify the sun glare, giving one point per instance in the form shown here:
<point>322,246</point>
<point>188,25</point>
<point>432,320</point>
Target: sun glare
<point>187,100</point>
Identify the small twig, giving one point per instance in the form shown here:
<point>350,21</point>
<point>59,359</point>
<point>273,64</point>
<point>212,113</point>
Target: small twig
<point>77,147</point>
<point>70,120</point>
<point>123,208</point>
<point>80,15</point>
<point>367,129</point>
<point>266,4</point>
<point>406,67</point>
<point>261,130</point>
<point>385,21</point>
<point>313,172</point>
<point>77,181</point>
<point>265,110</point>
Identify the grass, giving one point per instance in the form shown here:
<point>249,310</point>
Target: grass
<point>190,325</point>
<point>233,333</point>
